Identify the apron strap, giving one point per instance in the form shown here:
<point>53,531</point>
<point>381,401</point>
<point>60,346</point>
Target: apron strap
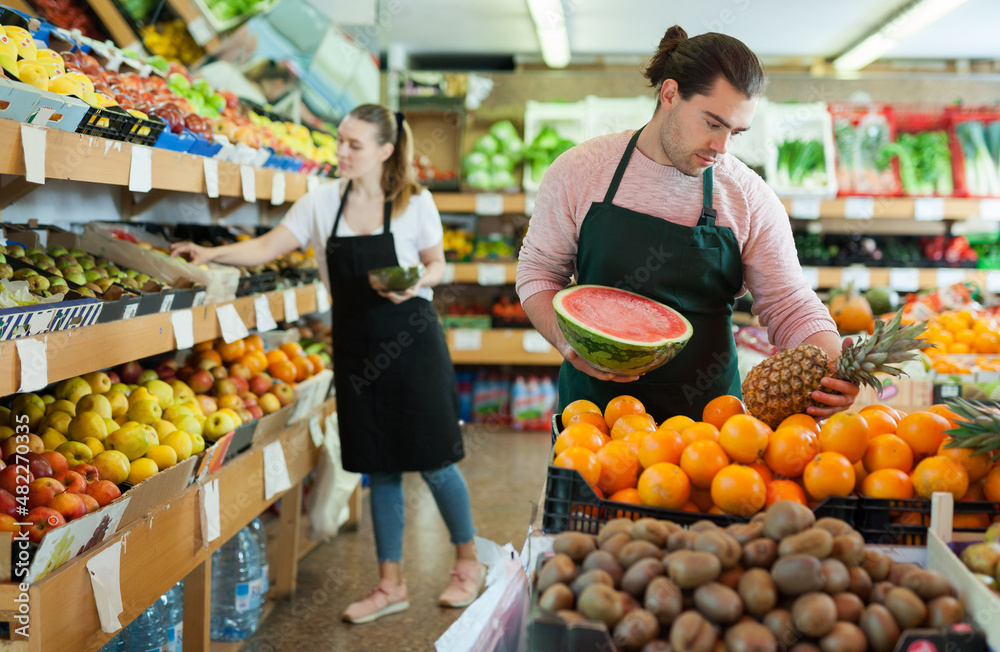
<point>340,209</point>
<point>622,164</point>
<point>708,213</point>
<point>386,216</point>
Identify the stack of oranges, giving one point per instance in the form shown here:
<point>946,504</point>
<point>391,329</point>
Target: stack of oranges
<point>963,331</point>
<point>730,462</point>
<point>289,363</point>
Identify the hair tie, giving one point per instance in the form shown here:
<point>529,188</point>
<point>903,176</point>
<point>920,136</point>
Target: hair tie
<point>399,124</point>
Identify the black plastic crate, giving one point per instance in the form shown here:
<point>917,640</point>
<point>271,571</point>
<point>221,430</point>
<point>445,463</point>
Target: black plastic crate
<point>112,122</point>
<point>145,132</point>
<point>301,276</point>
<point>878,519</point>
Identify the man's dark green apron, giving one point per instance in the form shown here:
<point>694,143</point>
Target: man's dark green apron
<point>696,270</point>
<point>397,401</point>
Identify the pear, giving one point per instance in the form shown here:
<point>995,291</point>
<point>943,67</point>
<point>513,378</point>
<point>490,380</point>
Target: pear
<point>23,273</point>
<point>57,250</point>
<point>87,264</point>
<point>38,283</point>
<point>78,252</point>
<point>6,271</point>
<point>88,424</point>
<point>76,278</point>
<point>15,250</point>
<point>91,276</point>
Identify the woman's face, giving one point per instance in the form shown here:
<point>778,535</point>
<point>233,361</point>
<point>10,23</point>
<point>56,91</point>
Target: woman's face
<point>358,151</point>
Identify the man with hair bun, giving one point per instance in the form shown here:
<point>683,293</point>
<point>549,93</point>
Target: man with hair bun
<point>667,213</point>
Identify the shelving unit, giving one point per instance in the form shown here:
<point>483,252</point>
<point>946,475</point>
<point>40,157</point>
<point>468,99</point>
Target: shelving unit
<point>497,347</point>
<point>117,25</point>
<point>830,277</point>
<point>469,273</point>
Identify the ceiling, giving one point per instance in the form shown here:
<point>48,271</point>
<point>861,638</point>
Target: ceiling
<point>771,28</point>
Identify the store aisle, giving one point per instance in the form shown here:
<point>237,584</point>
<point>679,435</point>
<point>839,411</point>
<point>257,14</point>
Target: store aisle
<point>505,471</point>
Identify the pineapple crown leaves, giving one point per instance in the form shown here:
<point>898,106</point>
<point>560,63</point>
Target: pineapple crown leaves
<point>978,429</point>
<point>888,344</point>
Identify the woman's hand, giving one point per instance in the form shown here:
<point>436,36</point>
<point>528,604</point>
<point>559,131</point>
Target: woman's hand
<point>194,253</point>
<point>842,400</point>
<point>400,297</point>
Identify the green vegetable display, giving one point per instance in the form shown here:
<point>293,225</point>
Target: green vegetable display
<point>924,162</point>
<point>859,167</point>
<point>494,158</point>
<point>801,163</point>
<point>981,148</point>
<point>544,150</point>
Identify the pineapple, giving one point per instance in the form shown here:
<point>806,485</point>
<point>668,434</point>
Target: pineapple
<point>783,384</point>
<point>979,429</point>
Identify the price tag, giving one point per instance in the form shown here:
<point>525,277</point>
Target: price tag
<point>489,203</point>
<point>130,310</point>
<point>859,208</point>
<point>861,277</point>
<point>140,174</point>
<point>904,279</point>
<point>200,30</point>
<point>987,376</point>
<point>168,302</point>
<point>805,208</point>
<point>39,322</point>
<point>34,364</point>
<point>249,180</point>
<point>993,281</point>
<point>230,323</point>
<point>42,116</point>
<point>989,209</point>
<point>278,189</point>
<point>211,167</point>
<point>199,299</point>
<point>183,322</point>
<point>928,209</point>
<point>211,521</point>
<point>33,149</point>
<point>811,275</point>
<point>291,306</point>
<point>529,205</point>
<point>467,339</point>
<point>104,569</point>
<point>449,274</point>
<point>946,277</point>
<point>533,342</point>
<point>276,477</point>
<point>322,298</point>
<point>316,431</point>
<point>265,320</point>
<point>491,274</point>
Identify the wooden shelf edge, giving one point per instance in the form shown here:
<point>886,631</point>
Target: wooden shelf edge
<point>468,273</point>
<point>830,277</point>
<point>501,346</point>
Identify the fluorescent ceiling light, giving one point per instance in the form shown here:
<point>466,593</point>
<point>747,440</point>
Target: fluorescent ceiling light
<point>912,18</point>
<point>550,26</point>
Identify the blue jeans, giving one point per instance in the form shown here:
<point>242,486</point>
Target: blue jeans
<point>450,492</point>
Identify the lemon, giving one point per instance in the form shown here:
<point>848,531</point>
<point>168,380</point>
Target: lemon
<point>182,444</point>
<point>163,455</point>
<point>140,469</point>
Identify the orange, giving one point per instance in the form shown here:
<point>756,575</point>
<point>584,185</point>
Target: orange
<point>960,348</point>
<point>987,342</point>
<point>977,466</point>
<point>879,423</point>
<point>828,474</point>
<point>680,423</point>
<point>973,521</point>
<point>293,350</point>
<point>629,423</point>
<point>923,431</point>
<point>303,368</point>
<point>940,474</point>
<point>803,420</point>
<point>582,460</point>
<point>845,433</point>
<point>720,408</point>
<point>887,483</point>
<point>945,411</point>
<point>763,470</point>
<point>888,452</point>
<point>232,351</point>
<point>252,362</point>
<point>275,356</point>
<point>790,449</point>
<point>689,507</point>
<point>975,491</point>
<point>664,445</point>
<point>744,438</point>
<point>702,498</point>
<point>283,371</point>
<point>702,460</point>
<point>619,467</point>
<point>210,355</point>
<point>991,485</point>
<point>700,430</point>
<point>204,346</point>
<point>664,485</point>
<point>621,405</point>
<point>580,434</point>
<point>634,439</point>
<point>595,419</point>
<point>966,336</point>
<point>913,518</point>
<point>784,490</point>
<point>254,342</point>
<point>860,473</point>
<point>892,412</point>
<point>715,509</point>
<point>317,362</point>
<point>630,496</point>
<point>739,490</point>
<point>578,407</point>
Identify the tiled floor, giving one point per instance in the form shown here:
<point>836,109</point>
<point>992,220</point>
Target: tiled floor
<point>505,471</point>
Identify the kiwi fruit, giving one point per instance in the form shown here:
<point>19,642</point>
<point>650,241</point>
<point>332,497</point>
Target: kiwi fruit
<point>600,602</point>
<point>559,569</point>
<point>798,574</point>
<point>616,542</point>
<point>664,600</point>
<point>814,541</point>
<point>720,544</point>
<point>785,518</point>
<point>744,533</point>
<point>760,553</point>
<point>613,527</point>
<point>849,548</point>
<point>586,578</point>
<point>844,637</point>
<point>758,591</point>
<point>861,583</point>
<point>575,545</point>
<point>906,607</point>
<point>880,627</point>
<point>927,584</point>
<point>640,574</point>
<point>750,636</point>
<point>635,629</point>
<point>814,614</point>
<point>718,603</point>
<point>691,632</point>
<point>681,540</point>
<point>695,568</point>
<point>557,598</point>
<point>605,561</point>
<point>838,578</point>
<point>944,611</point>
<point>652,530</point>
<point>849,607</point>
<point>633,551</point>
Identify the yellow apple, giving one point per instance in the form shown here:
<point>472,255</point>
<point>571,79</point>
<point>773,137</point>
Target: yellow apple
<point>131,440</point>
<point>95,403</point>
<point>140,469</point>
<point>164,428</point>
<point>181,390</point>
<point>182,444</point>
<point>73,389</point>
<point>141,394</point>
<point>88,424</point>
<point>112,465</point>
<point>197,443</point>
<point>188,424</point>
<point>58,421</point>
<point>164,456</point>
<point>75,452</point>
<point>99,381</point>
<point>146,411</point>
<point>52,439</point>
<point>94,444</point>
<point>119,402</point>
<point>164,393</point>
<point>61,405</point>
<point>175,412</point>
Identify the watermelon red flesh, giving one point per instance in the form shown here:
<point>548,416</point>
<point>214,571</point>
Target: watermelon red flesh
<point>619,331</point>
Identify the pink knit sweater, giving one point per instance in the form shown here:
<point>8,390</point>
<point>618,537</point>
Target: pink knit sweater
<point>783,300</point>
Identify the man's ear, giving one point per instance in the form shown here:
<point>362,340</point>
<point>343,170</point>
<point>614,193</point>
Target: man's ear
<point>669,94</point>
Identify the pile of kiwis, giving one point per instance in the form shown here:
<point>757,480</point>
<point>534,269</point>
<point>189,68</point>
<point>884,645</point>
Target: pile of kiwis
<point>784,582</point>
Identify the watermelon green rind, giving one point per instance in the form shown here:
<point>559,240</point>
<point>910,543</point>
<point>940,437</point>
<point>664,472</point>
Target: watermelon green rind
<point>396,278</point>
<point>614,354</point>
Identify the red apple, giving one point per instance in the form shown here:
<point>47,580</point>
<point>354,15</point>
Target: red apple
<point>242,385</point>
<point>115,378</point>
<point>15,475</point>
<point>71,506</point>
<point>57,461</point>
<point>184,373</point>
<point>103,491</point>
<point>129,372</point>
<point>38,464</point>
<point>249,398</point>
<point>255,411</point>
<point>88,471</point>
<point>40,520</point>
<point>41,491</point>
<point>207,404</point>
<point>8,503</point>
<point>9,524</point>
<point>200,381</point>
<point>237,370</point>
<point>261,384</point>
<point>284,392</point>
<point>207,364</point>
<point>91,503</point>
<point>8,447</point>
<point>167,369</point>
<point>224,387</point>
<point>73,481</point>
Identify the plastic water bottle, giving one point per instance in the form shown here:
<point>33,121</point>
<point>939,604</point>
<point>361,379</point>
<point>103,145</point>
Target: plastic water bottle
<point>534,403</point>
<point>548,403</point>
<point>175,618</point>
<point>519,404</point>
<point>235,588</point>
<point>265,581</point>
<point>118,643</point>
<point>148,632</point>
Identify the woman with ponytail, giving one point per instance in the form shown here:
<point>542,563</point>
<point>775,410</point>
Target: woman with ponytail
<point>397,400</point>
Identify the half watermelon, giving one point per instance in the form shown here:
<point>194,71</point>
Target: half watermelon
<point>619,331</point>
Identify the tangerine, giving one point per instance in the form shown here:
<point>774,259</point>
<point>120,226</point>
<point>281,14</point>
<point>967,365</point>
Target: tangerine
<point>700,430</point>
<point>629,423</point>
<point>578,406</point>
<point>803,420</point>
<point>977,466</point>
<point>303,368</point>
<point>318,363</point>
<point>892,412</point>
<point>987,343</point>
<point>701,460</point>
<point>275,356</point>
<point>971,521</point>
<point>860,473</point>
<point>744,438</point>
<point>975,491</point>
<point>619,467</point>
<point>763,470</point>
<point>283,371</point>
<point>634,439</point>
<point>689,507</point>
<point>663,445</point>
<point>630,496</point>
<point>888,452</point>
<point>945,411</point>
<point>210,354</point>
<point>581,460</point>
<point>879,423</point>
<point>784,490</point>
<point>664,485</point>
<point>232,351</point>
<point>739,490</point>
<point>249,360</point>
<point>720,408</point>
<point>254,342</point>
<point>580,434</point>
<point>940,474</point>
<point>293,350</point>
<point>204,346</point>
<point>828,474</point>
<point>923,431</point>
<point>790,449</point>
<point>991,485</point>
<point>620,406</point>
<point>887,483</point>
<point>680,423</point>
<point>702,498</point>
<point>595,419</point>
<point>845,433</point>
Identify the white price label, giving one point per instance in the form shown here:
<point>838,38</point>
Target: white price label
<point>130,310</point>
<point>291,306</point>
<point>140,174</point>
<point>276,477</point>
<point>491,274</point>
<point>211,522</point>
<point>989,209</point>
<point>34,364</point>
<point>322,298</point>
<point>249,180</point>
<point>861,277</point>
<point>104,569</point>
<point>489,203</point>
<point>529,205</point>
<point>39,322</point>
<point>278,189</point>
<point>811,275</point>
<point>200,30</point>
<point>806,208</point>
<point>265,320</point>
<point>231,323</point>
<point>211,167</point>
<point>449,274</point>
<point>42,116</point>
<point>928,209</point>
<point>859,208</point>
<point>533,342</point>
<point>183,322</point>
<point>904,279</point>
<point>199,299</point>
<point>993,281</point>
<point>467,339</point>
<point>167,304</point>
<point>316,431</point>
<point>33,149</point>
<point>947,276</point>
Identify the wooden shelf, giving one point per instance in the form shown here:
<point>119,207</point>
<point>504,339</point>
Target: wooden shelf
<point>98,160</point>
<point>117,25</point>
<point>71,352</point>
<point>894,208</point>
<point>498,346</point>
<point>465,202</point>
<point>469,273</point>
<point>831,277</point>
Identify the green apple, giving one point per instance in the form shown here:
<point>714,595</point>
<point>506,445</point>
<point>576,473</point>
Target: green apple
<point>131,440</point>
<point>145,411</point>
<point>75,452</point>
